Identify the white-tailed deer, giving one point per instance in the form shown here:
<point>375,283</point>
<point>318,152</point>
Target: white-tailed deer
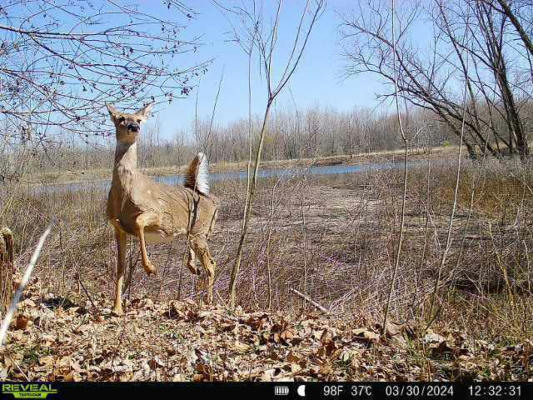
<point>154,212</point>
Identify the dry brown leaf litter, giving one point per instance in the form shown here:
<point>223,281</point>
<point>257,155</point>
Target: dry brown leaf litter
<point>55,339</point>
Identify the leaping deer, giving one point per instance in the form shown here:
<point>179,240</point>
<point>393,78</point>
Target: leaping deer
<point>155,212</point>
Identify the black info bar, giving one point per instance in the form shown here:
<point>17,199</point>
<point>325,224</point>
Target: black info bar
<point>279,390</point>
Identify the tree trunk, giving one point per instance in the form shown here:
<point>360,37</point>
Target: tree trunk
<point>471,150</point>
<point>6,268</point>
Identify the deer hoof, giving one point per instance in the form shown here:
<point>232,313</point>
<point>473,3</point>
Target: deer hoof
<point>150,269</point>
<point>118,311</point>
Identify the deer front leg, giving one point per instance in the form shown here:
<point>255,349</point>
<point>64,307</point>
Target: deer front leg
<point>120,237</point>
<point>143,220</point>
<point>201,249</point>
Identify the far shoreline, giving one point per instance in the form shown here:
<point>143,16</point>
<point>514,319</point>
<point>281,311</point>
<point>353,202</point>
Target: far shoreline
<point>96,175</point>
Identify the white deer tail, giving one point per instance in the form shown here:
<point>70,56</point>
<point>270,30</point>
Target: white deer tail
<point>197,175</point>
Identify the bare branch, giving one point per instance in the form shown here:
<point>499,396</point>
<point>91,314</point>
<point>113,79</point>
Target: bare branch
<point>72,57</point>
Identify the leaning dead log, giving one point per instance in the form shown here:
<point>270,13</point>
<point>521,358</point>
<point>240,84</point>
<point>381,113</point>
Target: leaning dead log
<point>6,268</point>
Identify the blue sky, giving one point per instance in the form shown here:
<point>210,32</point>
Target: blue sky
<point>318,81</point>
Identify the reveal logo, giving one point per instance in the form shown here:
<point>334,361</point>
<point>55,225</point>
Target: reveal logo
<point>29,390</point>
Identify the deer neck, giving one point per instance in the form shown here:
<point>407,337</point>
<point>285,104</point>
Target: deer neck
<point>125,163</point>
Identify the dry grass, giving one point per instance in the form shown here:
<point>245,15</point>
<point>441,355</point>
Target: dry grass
<point>330,237</point>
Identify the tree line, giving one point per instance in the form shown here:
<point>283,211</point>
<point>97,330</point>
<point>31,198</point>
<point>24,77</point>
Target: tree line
<point>316,132</point>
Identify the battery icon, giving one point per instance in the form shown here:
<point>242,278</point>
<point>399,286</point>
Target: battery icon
<point>281,390</point>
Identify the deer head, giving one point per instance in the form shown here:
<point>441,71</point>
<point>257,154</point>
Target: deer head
<point>128,125</point>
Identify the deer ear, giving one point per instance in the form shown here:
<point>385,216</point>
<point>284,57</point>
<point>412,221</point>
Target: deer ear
<point>112,110</point>
<point>145,111</point>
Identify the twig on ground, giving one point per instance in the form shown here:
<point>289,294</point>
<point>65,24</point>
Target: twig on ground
<point>86,292</point>
<point>309,300</point>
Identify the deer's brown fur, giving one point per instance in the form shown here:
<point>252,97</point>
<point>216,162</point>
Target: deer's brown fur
<point>154,212</point>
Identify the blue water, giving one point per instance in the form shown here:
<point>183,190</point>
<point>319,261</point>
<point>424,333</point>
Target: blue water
<point>339,169</point>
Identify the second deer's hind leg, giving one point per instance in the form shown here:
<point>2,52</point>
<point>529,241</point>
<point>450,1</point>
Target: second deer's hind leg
<point>199,246</point>
<point>142,221</point>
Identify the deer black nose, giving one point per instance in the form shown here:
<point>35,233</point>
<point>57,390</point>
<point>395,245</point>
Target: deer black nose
<point>134,127</point>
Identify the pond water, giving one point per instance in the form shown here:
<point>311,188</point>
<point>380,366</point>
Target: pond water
<point>339,169</point>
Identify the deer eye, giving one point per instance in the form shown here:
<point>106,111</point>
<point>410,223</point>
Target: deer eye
<point>121,119</point>
<point>139,121</point>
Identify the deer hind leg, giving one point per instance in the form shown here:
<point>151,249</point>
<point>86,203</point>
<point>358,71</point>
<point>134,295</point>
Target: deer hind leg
<point>120,237</point>
<point>199,245</point>
<point>142,221</point>
<point>191,262</point>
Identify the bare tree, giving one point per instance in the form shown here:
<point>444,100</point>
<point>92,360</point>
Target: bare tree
<point>429,77</point>
<point>265,37</point>
<point>405,154</point>
<point>62,60</point>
